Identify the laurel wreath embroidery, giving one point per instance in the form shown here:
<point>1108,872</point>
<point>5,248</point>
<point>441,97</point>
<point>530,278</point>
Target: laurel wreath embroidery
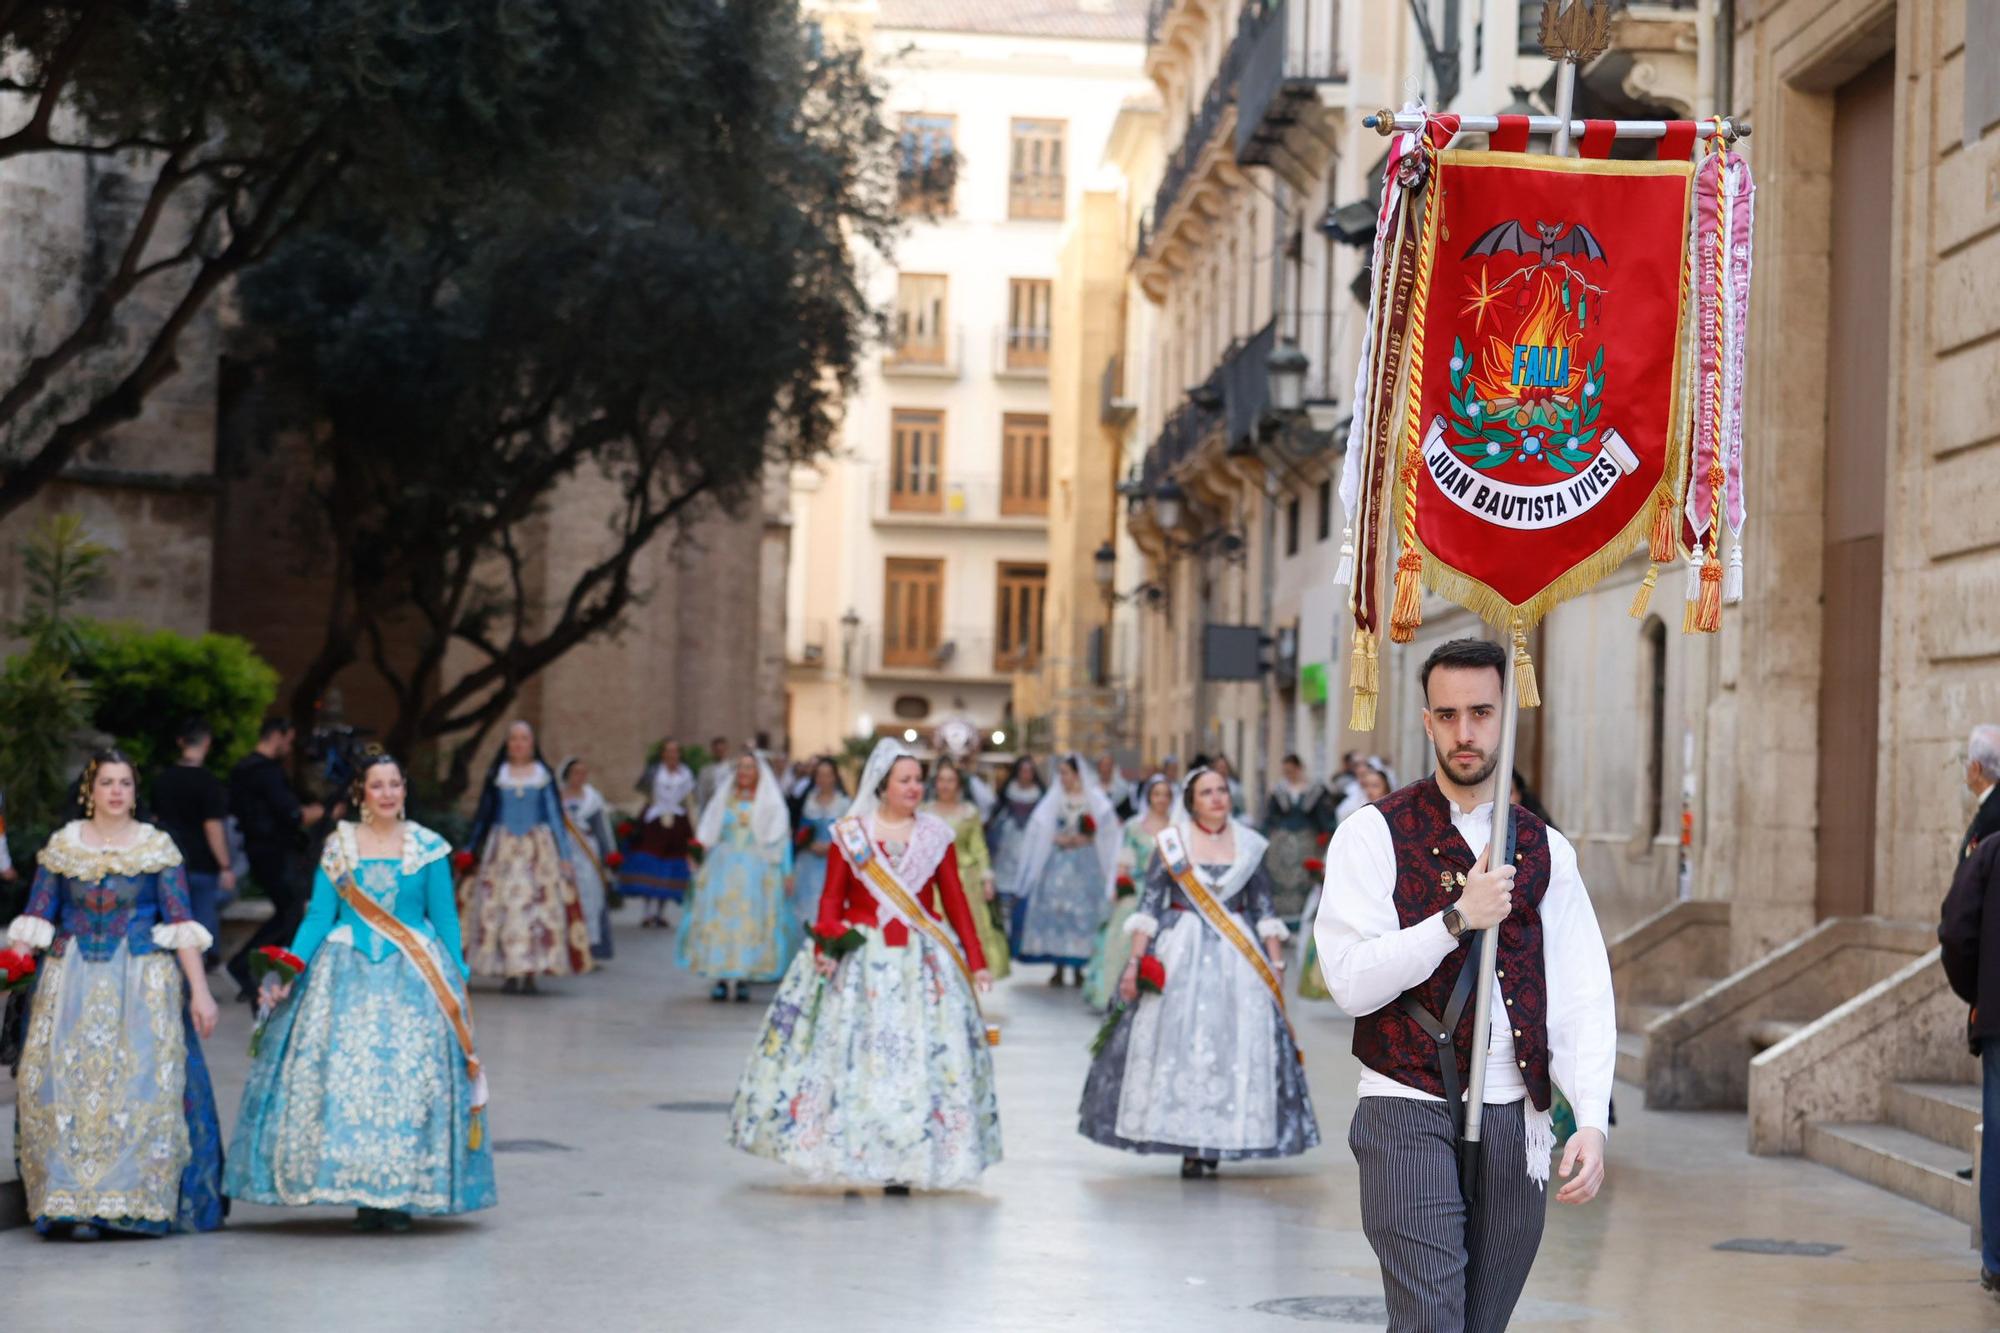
<point>1558,430</point>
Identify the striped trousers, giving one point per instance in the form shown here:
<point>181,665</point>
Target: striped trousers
<point>1443,1268</point>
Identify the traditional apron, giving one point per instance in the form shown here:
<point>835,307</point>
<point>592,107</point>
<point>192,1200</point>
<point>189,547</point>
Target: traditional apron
<point>1174,855</point>
<point>901,905</point>
<point>417,950</point>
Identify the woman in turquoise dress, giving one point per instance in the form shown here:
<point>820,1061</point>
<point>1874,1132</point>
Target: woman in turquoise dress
<point>1135,852</point>
<point>825,801</point>
<point>740,927</point>
<point>1069,859</point>
<point>363,1093</point>
<point>115,1124</point>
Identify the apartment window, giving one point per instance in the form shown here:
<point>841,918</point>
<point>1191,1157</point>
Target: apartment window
<point>1325,510</point>
<point>1024,464</point>
<point>1017,643</point>
<point>920,312</point>
<point>1028,323</point>
<point>1035,173</point>
<point>912,612</point>
<point>927,162</point>
<point>916,460</point>
<point>1292,526</point>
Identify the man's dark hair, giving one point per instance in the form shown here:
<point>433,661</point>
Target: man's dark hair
<point>274,726</point>
<point>193,732</point>
<point>1465,655</point>
<point>1293,759</point>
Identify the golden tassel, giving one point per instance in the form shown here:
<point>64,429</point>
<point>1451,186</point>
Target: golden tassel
<point>1708,612</point>
<point>1526,692</point>
<point>475,1134</point>
<point>1408,612</point>
<point>1364,675</point>
<point>1643,599</point>
<point>1662,541</point>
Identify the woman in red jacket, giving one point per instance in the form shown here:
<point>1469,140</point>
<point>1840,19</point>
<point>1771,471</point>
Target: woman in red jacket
<point>873,1063</point>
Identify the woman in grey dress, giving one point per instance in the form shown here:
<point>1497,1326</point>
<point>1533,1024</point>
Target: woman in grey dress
<point>1207,1068</point>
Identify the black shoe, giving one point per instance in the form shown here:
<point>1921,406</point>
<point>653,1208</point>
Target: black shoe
<point>1966,1174</point>
<point>1056,980</point>
<point>394,1221</point>
<point>742,993</point>
<point>896,1191</point>
<point>528,986</point>
<point>85,1231</point>
<point>366,1219</point>
<point>1211,1165</point>
<point>721,991</point>
<point>1190,1168</point>
<point>1989,1281</point>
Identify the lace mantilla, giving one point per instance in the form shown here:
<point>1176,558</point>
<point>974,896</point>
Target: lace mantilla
<point>68,855</point>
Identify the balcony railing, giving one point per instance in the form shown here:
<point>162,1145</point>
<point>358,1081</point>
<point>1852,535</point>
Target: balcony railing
<point>1182,432</point>
<point>1246,384</point>
<point>1113,407</point>
<point>953,654</point>
<point>1297,49</point>
<point>1024,350</point>
<point>936,357</point>
<point>958,500</point>
<point>1202,124</point>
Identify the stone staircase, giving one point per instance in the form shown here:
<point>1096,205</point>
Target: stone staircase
<point>1928,1133</point>
<point>1634,1019</point>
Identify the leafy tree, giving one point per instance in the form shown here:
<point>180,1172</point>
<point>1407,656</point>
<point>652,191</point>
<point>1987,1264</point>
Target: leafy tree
<point>146,682</point>
<point>229,124</point>
<point>673,311</point>
<point>44,705</point>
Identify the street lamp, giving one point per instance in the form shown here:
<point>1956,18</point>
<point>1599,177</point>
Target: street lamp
<point>1104,564</point>
<point>1286,367</point>
<point>850,630</point>
<point>1167,500</point>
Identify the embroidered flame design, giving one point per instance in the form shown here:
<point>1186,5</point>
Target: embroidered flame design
<point>1545,324</point>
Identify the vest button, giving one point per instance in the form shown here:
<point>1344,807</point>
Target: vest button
<point>1522,1063</point>
<point>1499,973</point>
<point>1517,1032</point>
<point>1510,1004</point>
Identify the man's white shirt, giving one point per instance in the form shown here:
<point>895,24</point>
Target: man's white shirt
<point>1369,958</point>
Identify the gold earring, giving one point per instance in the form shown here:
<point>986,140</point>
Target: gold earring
<point>367,815</point>
<point>403,811</point>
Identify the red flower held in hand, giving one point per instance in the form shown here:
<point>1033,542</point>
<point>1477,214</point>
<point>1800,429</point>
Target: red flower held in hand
<point>17,969</point>
<point>1087,826</point>
<point>612,860</point>
<point>1315,866</point>
<point>274,961</point>
<point>625,830</point>
<point>804,837</point>
<point>463,861</point>
<point>1125,885</point>
<point>1325,838</point>
<point>1152,974</point>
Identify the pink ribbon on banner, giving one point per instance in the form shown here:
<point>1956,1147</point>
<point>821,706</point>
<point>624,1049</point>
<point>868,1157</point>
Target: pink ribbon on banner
<point>1742,213</point>
<point>1708,341</point>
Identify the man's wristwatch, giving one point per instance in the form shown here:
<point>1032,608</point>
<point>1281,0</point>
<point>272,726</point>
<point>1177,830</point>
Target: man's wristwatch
<point>1454,922</point>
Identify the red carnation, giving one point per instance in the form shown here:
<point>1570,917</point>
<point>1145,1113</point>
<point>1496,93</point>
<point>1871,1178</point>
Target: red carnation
<point>804,837</point>
<point>625,830</point>
<point>1152,974</point>
<point>17,969</point>
<point>463,861</point>
<point>1087,826</point>
<point>1315,866</point>
<point>612,860</point>
<point>1125,886</point>
<point>271,959</point>
<point>1325,838</point>
<point>837,941</point>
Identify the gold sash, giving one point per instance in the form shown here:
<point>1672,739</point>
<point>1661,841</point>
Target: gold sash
<point>1174,855</point>
<point>415,948</point>
<point>860,853</point>
<point>588,846</point>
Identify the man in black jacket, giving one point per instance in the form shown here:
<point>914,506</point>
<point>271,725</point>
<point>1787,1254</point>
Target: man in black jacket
<point>1971,938</point>
<point>1982,774</point>
<point>273,824</point>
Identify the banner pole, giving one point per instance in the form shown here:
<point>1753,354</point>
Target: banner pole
<point>1497,853</point>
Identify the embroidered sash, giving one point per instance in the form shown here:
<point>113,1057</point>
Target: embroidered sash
<point>417,949</point>
<point>588,846</point>
<point>1174,855</point>
<point>897,900</point>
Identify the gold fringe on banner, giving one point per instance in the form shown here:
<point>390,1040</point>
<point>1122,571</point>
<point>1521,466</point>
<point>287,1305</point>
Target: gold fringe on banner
<point>1364,673</point>
<point>1643,599</point>
<point>1665,520</point>
<point>1526,692</point>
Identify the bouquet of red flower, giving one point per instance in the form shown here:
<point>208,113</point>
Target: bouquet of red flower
<point>804,837</point>
<point>267,962</point>
<point>612,860</point>
<point>17,970</point>
<point>1086,826</point>
<point>626,828</point>
<point>1152,981</point>
<point>1315,866</point>
<point>1125,886</point>
<point>463,862</point>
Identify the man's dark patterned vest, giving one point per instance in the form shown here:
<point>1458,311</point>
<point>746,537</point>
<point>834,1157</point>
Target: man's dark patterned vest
<point>1430,855</point>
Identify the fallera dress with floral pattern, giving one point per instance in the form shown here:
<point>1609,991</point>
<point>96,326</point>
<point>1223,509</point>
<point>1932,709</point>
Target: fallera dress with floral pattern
<point>359,1095</point>
<point>115,1123</point>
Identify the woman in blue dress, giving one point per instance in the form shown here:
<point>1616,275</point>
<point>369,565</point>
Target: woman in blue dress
<point>365,1092</point>
<point>523,914</point>
<point>1069,859</point>
<point>740,927</point>
<point>115,1125</point>
<point>825,801</point>
<point>1007,831</point>
<point>656,859</point>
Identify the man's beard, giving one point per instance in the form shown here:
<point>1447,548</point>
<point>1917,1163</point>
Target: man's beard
<point>1491,762</point>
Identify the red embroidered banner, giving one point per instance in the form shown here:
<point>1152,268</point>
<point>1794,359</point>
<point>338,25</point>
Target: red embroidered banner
<point>1546,394</point>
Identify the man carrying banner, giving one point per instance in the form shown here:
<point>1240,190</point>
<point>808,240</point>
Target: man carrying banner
<point>1408,890</point>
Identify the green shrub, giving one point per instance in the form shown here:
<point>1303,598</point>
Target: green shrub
<point>144,683</point>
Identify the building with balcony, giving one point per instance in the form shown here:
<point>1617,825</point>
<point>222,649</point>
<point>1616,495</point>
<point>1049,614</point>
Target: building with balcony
<point>921,561</point>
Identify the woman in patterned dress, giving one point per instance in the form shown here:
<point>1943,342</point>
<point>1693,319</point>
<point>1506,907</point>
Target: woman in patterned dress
<point>1206,1069</point>
<point>825,801</point>
<point>950,803</point>
<point>656,865</point>
<point>115,1125</point>
<point>873,1064</point>
<point>361,1094</point>
<point>740,928</point>
<point>523,916</point>
<point>1135,853</point>
<point>1069,862</point>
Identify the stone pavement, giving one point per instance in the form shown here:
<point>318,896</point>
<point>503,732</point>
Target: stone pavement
<point>621,1208</point>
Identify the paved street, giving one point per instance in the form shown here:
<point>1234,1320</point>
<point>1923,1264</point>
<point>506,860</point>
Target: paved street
<point>622,1209</point>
